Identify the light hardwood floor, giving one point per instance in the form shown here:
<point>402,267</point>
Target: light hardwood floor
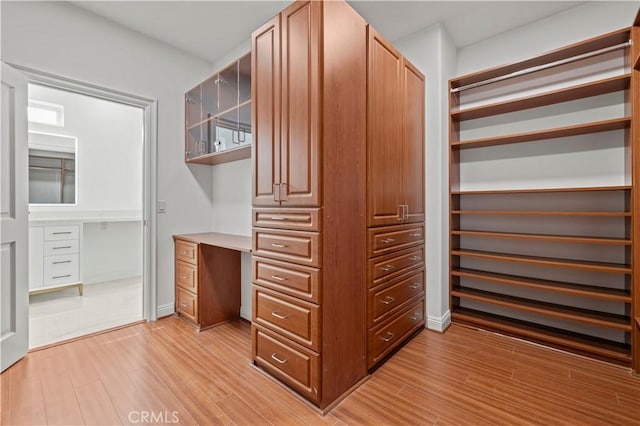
<point>170,372</point>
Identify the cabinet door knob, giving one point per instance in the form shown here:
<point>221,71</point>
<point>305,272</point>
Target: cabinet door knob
<point>278,360</point>
<point>388,300</point>
<point>389,336</point>
<point>184,305</point>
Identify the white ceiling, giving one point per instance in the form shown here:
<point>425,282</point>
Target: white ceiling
<point>209,29</point>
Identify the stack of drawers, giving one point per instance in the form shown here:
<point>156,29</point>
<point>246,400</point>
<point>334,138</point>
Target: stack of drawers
<point>54,257</point>
<point>286,269</point>
<point>186,269</point>
<point>395,279</point>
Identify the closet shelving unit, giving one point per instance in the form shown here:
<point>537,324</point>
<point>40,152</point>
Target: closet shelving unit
<point>510,287</point>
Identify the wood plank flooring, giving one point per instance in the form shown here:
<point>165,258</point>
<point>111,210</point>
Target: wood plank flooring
<point>166,373</point>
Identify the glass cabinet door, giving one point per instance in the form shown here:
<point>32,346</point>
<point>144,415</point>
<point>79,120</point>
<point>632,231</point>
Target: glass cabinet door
<point>228,87</point>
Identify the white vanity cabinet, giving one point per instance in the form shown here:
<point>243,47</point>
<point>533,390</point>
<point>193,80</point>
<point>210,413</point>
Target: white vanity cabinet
<point>54,257</point>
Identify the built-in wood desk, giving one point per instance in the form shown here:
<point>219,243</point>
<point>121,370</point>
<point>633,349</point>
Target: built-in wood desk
<point>207,277</point>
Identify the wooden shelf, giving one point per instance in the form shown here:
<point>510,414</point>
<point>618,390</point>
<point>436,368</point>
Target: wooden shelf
<point>218,115</point>
<point>559,132</point>
<point>602,319</point>
<point>594,292</point>
<point>225,156</point>
<point>545,261</point>
<point>545,190</point>
<point>543,237</point>
<point>586,46</point>
<point>540,213</point>
<point>595,88</point>
<point>561,338</point>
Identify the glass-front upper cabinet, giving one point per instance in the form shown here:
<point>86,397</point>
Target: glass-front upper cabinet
<point>218,116</point>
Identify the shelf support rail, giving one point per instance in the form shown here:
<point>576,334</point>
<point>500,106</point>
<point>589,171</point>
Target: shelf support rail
<point>542,67</point>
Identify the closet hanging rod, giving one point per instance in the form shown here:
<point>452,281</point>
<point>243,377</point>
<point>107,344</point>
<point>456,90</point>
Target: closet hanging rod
<point>542,67</point>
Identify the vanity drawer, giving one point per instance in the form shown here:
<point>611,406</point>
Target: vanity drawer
<point>392,265</point>
<point>293,364</point>
<point>387,337</point>
<point>287,218</point>
<point>187,304</point>
<point>291,246</point>
<point>187,276</point>
<point>390,238</point>
<point>186,251</point>
<point>295,280</point>
<point>66,232</point>
<point>55,248</point>
<point>388,298</point>
<point>62,269</point>
<point>292,318</point>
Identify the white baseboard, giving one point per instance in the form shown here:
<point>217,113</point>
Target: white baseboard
<point>439,324</point>
<point>165,310</point>
<point>245,313</point>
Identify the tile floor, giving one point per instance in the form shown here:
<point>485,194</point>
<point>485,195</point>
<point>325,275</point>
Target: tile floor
<point>63,314</point>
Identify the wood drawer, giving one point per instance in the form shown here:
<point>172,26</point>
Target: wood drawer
<point>292,246</point>
<point>299,281</point>
<point>390,238</point>
<point>55,248</point>
<point>287,218</point>
<point>387,299</point>
<point>383,268</point>
<point>187,304</point>
<point>62,269</point>
<point>186,251</point>
<point>291,363</point>
<point>187,276</point>
<point>290,317</point>
<point>384,339</point>
<point>66,232</point>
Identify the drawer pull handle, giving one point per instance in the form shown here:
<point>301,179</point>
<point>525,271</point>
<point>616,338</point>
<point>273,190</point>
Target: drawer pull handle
<point>415,316</point>
<point>279,315</point>
<point>62,233</point>
<point>61,276</point>
<point>61,261</point>
<point>278,278</point>
<point>387,240</point>
<point>276,218</point>
<point>387,268</point>
<point>388,300</point>
<point>278,245</point>
<point>389,338</point>
<point>278,360</point>
<point>184,305</point>
<point>415,258</point>
<point>414,286</point>
<point>184,276</point>
<point>186,253</point>
<point>416,235</point>
<point>61,247</point>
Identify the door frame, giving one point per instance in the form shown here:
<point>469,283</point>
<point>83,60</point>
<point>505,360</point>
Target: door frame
<point>149,166</point>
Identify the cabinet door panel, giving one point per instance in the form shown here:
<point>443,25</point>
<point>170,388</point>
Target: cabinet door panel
<point>265,64</point>
<point>384,121</point>
<point>413,142</point>
<point>300,139</point>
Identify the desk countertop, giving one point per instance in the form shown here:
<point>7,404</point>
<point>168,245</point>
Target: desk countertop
<point>229,241</point>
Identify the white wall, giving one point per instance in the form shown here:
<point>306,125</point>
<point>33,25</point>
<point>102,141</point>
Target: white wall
<point>433,52</point>
<point>109,150</point>
<point>58,38</point>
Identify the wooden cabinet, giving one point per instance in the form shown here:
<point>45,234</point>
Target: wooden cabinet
<point>207,277</point>
<point>286,54</point>
<point>311,106</point>
<point>395,146</point>
<point>309,235</point>
<point>218,116</point>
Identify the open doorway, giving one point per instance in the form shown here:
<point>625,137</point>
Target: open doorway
<point>86,227</point>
